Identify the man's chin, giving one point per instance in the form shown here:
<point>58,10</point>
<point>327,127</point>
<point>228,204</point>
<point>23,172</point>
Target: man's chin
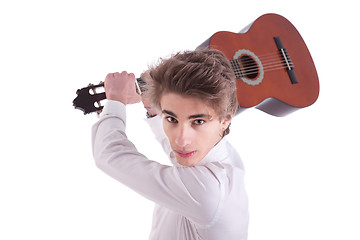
<point>188,162</point>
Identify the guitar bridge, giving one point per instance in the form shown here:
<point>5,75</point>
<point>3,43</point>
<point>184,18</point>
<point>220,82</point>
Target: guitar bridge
<point>286,60</point>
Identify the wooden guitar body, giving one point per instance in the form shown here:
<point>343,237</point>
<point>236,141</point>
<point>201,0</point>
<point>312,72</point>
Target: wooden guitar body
<point>273,66</point>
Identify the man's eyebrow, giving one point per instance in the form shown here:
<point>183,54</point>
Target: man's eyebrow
<point>201,115</point>
<point>169,113</point>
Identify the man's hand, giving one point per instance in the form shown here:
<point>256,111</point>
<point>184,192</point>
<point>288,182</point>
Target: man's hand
<point>121,87</point>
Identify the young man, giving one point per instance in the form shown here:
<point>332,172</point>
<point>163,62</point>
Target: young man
<point>193,99</point>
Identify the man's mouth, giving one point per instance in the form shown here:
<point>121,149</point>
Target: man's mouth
<point>185,154</point>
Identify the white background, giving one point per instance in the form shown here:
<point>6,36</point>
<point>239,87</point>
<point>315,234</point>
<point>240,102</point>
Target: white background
<point>302,170</point>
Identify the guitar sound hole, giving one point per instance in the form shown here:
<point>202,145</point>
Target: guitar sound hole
<point>249,67</point>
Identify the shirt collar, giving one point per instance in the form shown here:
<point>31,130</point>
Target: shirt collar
<point>217,154</point>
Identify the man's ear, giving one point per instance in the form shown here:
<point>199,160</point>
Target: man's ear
<point>226,122</point>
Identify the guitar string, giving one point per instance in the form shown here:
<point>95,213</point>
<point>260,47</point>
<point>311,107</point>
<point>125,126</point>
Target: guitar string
<point>266,65</point>
<point>255,69</point>
<point>267,55</point>
<point>241,74</point>
<point>271,55</point>
<point>254,66</point>
<point>269,61</point>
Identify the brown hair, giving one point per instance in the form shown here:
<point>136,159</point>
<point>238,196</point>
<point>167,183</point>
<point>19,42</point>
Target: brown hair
<point>205,74</point>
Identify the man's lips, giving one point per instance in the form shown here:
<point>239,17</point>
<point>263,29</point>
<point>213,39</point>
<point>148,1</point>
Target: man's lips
<point>185,154</point>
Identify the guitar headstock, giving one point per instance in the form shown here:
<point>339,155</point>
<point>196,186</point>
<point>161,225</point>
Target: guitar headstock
<point>88,100</point>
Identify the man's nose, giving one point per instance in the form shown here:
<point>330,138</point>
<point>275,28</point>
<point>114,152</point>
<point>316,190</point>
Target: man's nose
<point>183,137</point>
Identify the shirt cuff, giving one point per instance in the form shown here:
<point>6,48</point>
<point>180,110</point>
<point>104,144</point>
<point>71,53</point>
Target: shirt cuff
<point>112,107</point>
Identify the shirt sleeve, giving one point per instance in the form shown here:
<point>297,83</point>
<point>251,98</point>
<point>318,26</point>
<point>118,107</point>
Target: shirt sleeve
<point>194,192</point>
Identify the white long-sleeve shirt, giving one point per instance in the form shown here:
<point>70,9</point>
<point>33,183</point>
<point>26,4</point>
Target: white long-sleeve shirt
<point>206,201</point>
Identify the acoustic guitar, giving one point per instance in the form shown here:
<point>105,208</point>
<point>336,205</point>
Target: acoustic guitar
<point>274,70</point>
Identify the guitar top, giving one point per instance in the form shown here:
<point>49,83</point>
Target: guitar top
<point>273,66</point>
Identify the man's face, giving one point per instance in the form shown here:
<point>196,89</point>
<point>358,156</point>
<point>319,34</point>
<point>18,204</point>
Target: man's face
<point>193,128</point>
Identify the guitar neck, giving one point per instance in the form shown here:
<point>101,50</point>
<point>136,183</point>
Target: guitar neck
<point>87,97</point>
<point>140,84</point>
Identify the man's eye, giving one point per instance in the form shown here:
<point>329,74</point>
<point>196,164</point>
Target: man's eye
<point>171,119</point>
<point>199,122</point>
